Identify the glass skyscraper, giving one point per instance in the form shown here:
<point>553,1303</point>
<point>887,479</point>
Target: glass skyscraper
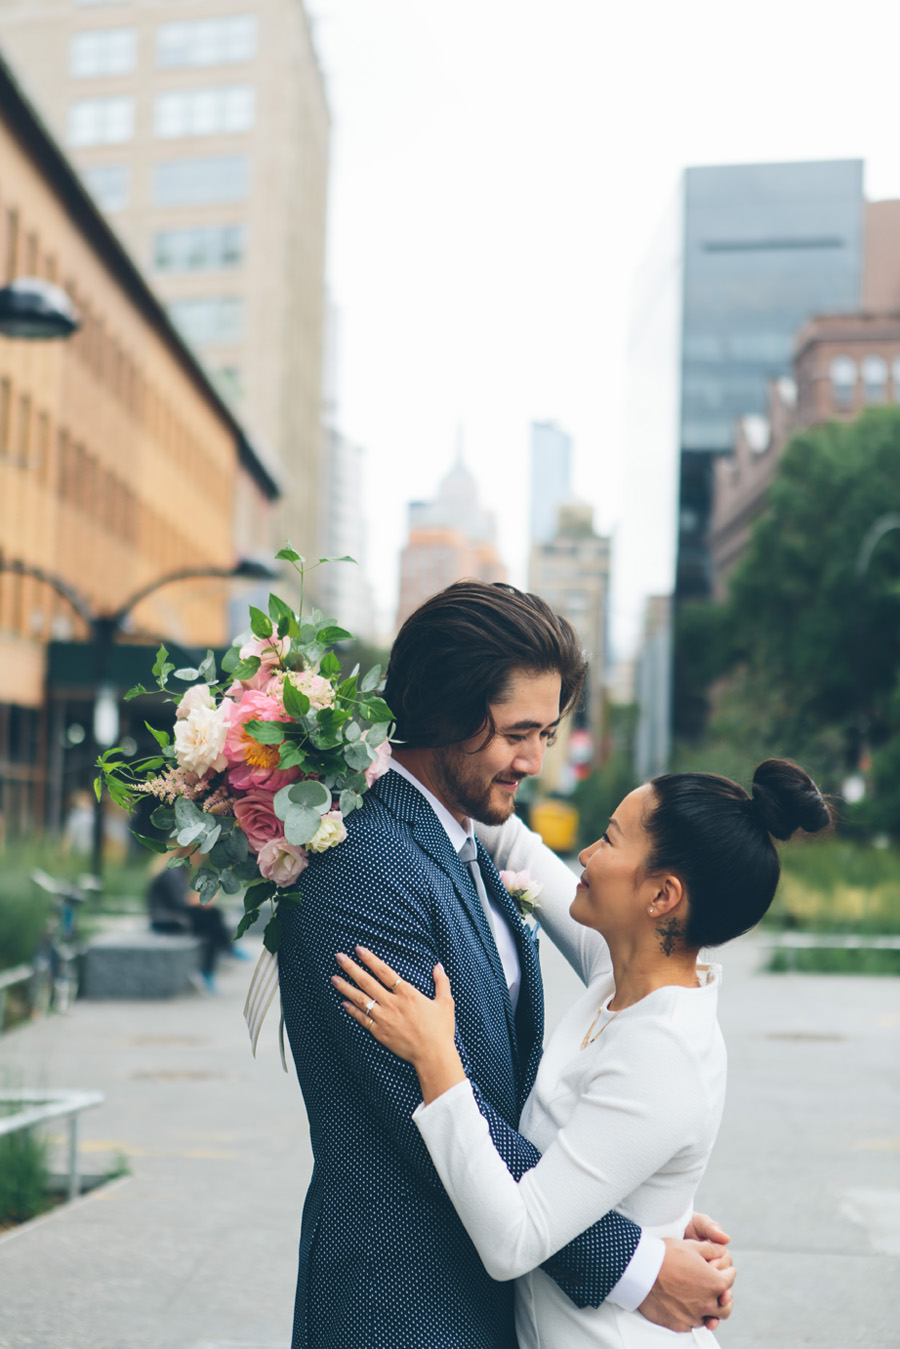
<point>765,247</point>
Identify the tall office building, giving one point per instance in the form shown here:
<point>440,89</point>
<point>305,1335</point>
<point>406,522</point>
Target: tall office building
<point>551,478</point>
<point>571,572</point>
<point>451,538</point>
<point>765,247</point>
<point>202,130</point>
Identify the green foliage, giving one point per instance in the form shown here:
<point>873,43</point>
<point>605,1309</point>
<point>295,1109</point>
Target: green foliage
<point>597,796</point>
<point>833,960</point>
<point>802,659</point>
<point>24,1172</point>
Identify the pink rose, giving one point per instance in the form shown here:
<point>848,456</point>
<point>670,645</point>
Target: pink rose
<point>271,652</point>
<point>255,814</point>
<point>281,862</point>
<point>252,765</point>
<point>381,764</point>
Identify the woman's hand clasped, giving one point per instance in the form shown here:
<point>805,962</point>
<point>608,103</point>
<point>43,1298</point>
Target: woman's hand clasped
<point>418,1029</point>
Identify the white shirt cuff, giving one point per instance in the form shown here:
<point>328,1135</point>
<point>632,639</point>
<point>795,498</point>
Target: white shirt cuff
<point>640,1274</point>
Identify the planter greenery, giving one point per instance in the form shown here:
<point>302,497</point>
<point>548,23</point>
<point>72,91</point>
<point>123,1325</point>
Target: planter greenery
<point>24,1176</point>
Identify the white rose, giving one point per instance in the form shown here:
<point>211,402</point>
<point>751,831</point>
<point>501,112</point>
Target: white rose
<point>329,834</point>
<point>198,695</point>
<point>200,740</point>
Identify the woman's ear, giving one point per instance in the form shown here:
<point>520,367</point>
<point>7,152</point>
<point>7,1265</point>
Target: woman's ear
<point>667,894</point>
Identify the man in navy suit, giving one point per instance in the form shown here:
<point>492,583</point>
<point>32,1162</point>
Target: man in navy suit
<point>479,679</point>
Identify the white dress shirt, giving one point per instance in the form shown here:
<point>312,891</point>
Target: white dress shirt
<point>500,929</point>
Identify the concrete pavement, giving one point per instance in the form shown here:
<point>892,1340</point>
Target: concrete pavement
<point>196,1249</point>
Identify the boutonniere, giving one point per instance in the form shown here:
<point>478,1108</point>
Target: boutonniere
<point>523,890</point>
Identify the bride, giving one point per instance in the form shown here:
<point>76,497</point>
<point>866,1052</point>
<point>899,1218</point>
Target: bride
<point>629,1094</point>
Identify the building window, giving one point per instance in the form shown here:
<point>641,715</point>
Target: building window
<point>199,250</point>
<point>209,320</point>
<point>874,373</point>
<point>109,185</point>
<point>189,182</point>
<point>203,112</point>
<point>105,51</point>
<point>842,373</point>
<point>101,121</point>
<point>207,42</point>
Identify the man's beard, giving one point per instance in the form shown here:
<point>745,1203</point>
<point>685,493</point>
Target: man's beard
<point>461,783</point>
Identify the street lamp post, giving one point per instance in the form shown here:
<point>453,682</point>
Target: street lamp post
<point>104,628</point>
<point>36,310</point>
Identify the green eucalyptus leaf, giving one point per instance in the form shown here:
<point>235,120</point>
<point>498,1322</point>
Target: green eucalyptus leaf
<point>207,669</point>
<point>300,824</point>
<point>350,801</point>
<point>175,862</point>
<point>352,732</point>
<point>188,813</point>
<point>229,882</point>
<point>360,755</point>
<point>376,735</point>
<point>246,870</point>
<point>187,675</point>
<point>313,794</point>
<point>163,817</point>
<point>371,680</point>
<point>281,802</point>
<point>231,659</point>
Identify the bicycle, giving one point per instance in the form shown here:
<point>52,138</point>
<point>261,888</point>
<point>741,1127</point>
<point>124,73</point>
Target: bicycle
<point>56,964</point>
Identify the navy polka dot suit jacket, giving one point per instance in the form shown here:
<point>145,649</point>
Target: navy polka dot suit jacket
<point>384,1261</point>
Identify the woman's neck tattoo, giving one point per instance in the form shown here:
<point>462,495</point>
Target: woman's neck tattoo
<point>668,934</point>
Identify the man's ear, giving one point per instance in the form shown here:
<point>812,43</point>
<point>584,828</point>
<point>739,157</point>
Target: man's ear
<point>668,893</point>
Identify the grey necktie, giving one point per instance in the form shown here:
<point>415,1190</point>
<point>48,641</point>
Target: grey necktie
<point>468,853</point>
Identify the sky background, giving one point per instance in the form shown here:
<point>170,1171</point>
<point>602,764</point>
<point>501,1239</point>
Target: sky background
<point>499,169</point>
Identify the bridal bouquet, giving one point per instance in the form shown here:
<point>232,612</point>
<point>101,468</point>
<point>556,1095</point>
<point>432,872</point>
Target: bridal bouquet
<point>266,759</point>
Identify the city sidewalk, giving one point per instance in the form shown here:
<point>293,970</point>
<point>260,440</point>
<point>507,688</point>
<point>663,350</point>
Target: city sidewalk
<point>197,1248</point>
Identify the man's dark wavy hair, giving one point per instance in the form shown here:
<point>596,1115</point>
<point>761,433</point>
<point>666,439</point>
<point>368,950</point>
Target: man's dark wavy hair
<point>458,653</point>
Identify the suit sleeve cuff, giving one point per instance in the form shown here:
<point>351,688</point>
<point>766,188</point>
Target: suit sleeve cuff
<point>639,1275</point>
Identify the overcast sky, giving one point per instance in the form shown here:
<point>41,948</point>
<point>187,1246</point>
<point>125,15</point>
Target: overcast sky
<point>498,169</point>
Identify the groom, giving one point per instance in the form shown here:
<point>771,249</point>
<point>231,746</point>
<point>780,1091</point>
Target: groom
<point>479,679</point>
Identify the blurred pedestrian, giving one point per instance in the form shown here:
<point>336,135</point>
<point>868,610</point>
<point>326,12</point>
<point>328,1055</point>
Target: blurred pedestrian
<point>174,908</point>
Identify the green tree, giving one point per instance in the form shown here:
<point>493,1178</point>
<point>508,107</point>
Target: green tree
<point>811,643</point>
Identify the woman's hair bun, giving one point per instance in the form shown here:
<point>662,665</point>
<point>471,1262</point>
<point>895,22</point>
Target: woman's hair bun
<point>786,799</point>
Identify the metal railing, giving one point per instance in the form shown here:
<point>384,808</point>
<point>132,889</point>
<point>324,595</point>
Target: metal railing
<point>32,1107</point>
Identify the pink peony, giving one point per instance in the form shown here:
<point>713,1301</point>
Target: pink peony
<point>382,763</point>
<point>256,816</point>
<point>281,862</point>
<point>252,765</point>
<point>271,652</point>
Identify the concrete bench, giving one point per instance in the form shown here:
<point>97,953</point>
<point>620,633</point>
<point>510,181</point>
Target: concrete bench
<point>140,964</point>
<point>19,974</point>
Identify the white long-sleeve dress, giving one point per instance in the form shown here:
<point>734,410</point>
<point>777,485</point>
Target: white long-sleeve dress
<point>627,1123</point>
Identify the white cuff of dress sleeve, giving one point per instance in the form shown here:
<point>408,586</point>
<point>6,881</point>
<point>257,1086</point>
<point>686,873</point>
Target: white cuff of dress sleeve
<point>444,1102</point>
<point>640,1274</point>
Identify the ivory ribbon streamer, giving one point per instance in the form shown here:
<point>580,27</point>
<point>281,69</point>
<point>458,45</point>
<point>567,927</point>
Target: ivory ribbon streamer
<point>263,987</point>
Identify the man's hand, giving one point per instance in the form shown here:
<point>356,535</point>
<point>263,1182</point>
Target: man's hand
<point>703,1228</point>
<point>694,1285</point>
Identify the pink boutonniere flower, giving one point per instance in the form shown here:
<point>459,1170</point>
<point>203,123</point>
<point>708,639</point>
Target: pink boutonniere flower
<point>523,890</point>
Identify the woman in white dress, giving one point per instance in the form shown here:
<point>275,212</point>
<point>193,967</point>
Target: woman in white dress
<point>629,1094</point>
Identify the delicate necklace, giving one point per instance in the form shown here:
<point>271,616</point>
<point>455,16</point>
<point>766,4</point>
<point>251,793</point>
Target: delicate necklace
<point>589,1039</point>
